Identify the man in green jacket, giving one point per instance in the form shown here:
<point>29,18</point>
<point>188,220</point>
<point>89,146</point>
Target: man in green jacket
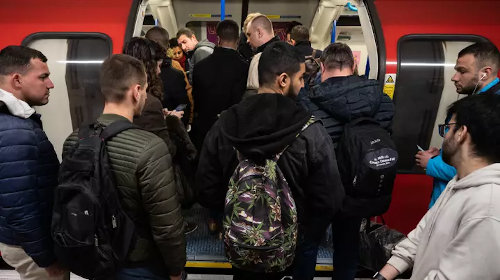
<point>144,177</point>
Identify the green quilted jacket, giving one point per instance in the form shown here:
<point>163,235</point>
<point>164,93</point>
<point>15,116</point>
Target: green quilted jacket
<point>144,176</point>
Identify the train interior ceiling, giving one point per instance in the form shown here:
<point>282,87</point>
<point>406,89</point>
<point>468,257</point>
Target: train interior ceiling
<point>202,16</point>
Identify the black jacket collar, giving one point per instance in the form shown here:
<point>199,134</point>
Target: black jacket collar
<point>263,46</point>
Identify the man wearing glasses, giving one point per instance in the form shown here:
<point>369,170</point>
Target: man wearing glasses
<point>476,73</point>
<point>459,238</point>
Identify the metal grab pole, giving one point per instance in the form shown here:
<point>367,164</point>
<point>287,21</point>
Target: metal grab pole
<point>222,9</point>
<point>334,31</point>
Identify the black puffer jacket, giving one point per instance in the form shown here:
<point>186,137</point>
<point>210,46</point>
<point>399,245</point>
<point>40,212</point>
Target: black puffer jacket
<point>260,126</point>
<point>339,100</point>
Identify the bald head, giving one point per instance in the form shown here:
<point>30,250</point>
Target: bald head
<point>259,31</point>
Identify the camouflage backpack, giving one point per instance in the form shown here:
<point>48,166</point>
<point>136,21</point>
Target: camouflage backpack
<point>260,217</point>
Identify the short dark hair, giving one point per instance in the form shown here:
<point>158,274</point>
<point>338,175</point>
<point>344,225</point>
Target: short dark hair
<point>18,59</point>
<point>480,113</point>
<point>172,43</point>
<point>118,73</point>
<point>485,53</point>
<point>291,25</point>
<point>185,31</point>
<point>228,30</point>
<point>337,56</point>
<point>277,58</point>
<point>159,35</point>
<point>299,33</point>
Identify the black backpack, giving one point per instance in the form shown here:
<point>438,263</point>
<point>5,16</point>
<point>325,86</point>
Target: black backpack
<point>367,160</point>
<point>92,234</point>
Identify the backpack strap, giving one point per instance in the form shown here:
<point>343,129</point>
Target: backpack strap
<point>311,120</point>
<point>115,128</point>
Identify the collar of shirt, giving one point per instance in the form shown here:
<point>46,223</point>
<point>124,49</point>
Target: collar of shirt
<point>490,85</point>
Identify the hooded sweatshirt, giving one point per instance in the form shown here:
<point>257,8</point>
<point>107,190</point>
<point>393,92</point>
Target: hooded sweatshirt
<point>260,127</point>
<point>202,50</point>
<point>458,238</point>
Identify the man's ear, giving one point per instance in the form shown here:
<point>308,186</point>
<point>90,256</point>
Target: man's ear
<point>322,66</point>
<point>16,80</point>
<point>283,80</point>
<point>293,41</point>
<point>259,32</point>
<point>461,133</point>
<point>136,94</point>
<point>487,72</point>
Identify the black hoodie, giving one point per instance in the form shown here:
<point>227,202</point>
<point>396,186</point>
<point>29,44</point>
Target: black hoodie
<point>259,127</point>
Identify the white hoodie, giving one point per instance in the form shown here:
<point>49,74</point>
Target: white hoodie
<point>459,237</point>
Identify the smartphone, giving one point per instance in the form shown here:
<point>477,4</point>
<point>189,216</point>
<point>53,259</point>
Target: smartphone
<point>180,107</point>
<point>420,148</point>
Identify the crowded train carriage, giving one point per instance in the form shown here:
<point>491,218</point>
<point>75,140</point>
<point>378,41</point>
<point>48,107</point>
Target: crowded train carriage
<point>409,47</point>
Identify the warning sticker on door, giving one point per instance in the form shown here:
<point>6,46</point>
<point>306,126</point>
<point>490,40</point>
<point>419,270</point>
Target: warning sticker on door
<point>390,84</point>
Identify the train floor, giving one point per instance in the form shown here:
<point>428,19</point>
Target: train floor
<point>202,246</point>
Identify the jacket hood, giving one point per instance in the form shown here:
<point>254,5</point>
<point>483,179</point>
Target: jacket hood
<point>16,106</point>
<point>486,175</point>
<point>204,43</point>
<point>262,125</point>
<point>347,98</point>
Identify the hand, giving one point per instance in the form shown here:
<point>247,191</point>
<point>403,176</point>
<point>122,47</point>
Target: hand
<point>177,114</point>
<point>422,158</point>
<point>178,277</point>
<point>55,270</point>
<point>389,272</point>
<point>434,151</point>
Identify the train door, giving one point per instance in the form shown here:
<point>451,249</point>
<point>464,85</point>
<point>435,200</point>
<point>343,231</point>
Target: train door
<point>74,61</point>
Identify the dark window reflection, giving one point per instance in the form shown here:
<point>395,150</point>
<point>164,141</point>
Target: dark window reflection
<point>82,79</point>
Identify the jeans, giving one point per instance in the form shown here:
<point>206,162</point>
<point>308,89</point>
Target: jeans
<point>310,236</point>
<point>345,247</point>
<point>149,273</point>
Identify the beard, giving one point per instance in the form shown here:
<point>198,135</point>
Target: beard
<point>292,92</point>
<point>469,88</point>
<point>449,149</point>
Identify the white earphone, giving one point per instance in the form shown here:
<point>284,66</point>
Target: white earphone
<point>482,77</point>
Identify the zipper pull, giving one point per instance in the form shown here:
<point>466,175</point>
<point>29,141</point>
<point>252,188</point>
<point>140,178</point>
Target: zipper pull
<point>113,221</point>
<point>96,240</point>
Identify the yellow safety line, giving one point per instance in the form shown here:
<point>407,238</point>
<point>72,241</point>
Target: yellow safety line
<point>204,264</point>
<point>201,264</point>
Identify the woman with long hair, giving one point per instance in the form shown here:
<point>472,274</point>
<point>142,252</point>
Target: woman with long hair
<point>165,124</point>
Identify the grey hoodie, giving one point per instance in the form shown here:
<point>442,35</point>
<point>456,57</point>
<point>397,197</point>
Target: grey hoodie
<point>202,50</point>
<point>459,237</point>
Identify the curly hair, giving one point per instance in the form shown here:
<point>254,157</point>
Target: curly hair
<point>149,52</point>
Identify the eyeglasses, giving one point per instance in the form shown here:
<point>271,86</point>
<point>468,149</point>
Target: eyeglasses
<point>444,128</point>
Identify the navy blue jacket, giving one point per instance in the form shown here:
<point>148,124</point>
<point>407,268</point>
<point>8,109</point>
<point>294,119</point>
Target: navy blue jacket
<point>338,100</point>
<point>28,176</point>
